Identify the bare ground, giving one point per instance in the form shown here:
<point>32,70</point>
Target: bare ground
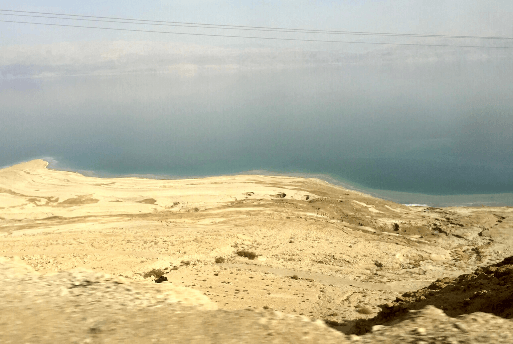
<point>320,251</point>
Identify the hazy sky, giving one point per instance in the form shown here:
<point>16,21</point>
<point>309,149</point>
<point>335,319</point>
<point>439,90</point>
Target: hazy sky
<point>84,51</point>
<point>470,17</point>
<point>116,101</point>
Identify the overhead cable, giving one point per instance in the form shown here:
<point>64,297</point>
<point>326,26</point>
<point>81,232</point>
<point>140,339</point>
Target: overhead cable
<point>258,37</point>
<point>50,15</point>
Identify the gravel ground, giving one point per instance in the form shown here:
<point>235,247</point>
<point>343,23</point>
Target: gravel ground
<point>87,307</point>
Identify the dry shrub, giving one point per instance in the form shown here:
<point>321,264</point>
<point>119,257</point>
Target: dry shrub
<point>220,260</point>
<point>154,272</point>
<point>247,254</point>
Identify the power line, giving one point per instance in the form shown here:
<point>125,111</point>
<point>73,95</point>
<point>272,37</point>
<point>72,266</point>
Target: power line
<point>258,37</point>
<point>236,27</point>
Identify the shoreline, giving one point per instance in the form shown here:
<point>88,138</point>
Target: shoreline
<point>405,198</point>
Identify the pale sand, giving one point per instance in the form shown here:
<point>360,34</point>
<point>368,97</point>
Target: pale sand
<point>340,244</point>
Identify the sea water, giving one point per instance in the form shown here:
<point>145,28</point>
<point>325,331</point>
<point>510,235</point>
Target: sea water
<point>410,198</point>
<point>414,136</point>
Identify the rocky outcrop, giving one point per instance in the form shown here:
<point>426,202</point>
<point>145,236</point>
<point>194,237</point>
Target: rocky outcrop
<point>432,325</point>
<point>488,289</point>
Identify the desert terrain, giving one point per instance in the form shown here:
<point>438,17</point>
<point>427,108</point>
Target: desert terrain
<point>244,248</point>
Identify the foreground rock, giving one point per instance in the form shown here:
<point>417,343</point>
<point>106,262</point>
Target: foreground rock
<point>87,307</point>
<point>488,289</point>
<point>431,325</point>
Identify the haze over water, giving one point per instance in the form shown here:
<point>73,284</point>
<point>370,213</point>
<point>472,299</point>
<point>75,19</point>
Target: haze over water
<point>417,121</point>
<point>368,127</point>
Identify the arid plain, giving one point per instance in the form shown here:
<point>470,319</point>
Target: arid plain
<point>294,245</point>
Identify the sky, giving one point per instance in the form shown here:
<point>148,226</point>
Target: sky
<point>418,118</point>
<point>85,51</point>
<point>456,17</point>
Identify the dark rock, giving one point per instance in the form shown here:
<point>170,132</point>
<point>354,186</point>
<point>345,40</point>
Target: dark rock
<point>161,279</point>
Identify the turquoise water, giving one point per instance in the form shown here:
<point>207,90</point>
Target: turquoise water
<point>409,198</point>
<point>416,134</point>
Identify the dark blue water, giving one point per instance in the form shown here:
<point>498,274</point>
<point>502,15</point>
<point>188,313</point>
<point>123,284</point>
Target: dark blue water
<point>415,135</point>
